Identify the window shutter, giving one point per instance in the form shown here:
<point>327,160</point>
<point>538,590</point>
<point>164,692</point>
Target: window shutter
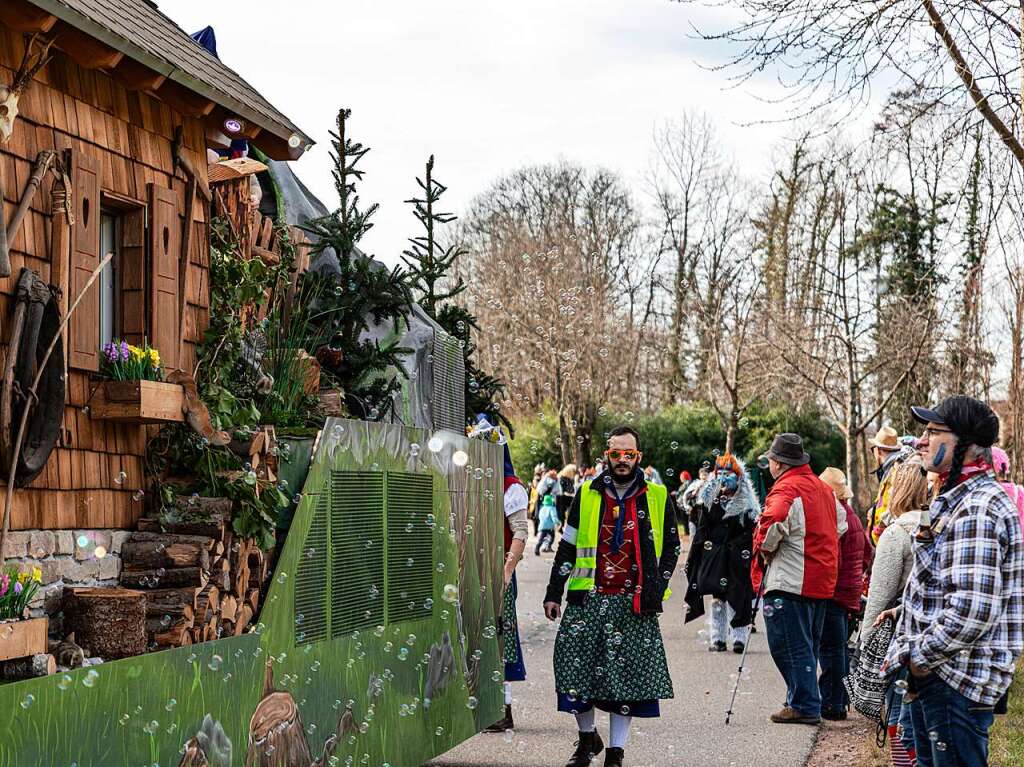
<point>132,273</point>
<point>165,250</point>
<point>85,257</point>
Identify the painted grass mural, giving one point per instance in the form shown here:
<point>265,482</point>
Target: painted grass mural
<point>377,643</point>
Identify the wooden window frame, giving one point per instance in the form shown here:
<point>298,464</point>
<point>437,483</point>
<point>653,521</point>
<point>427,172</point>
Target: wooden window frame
<point>131,319</point>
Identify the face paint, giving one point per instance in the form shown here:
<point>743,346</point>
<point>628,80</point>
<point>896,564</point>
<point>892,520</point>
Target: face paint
<point>940,455</point>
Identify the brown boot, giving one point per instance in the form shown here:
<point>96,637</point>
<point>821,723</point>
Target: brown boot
<point>790,716</point>
<point>503,724</point>
<point>587,747</point>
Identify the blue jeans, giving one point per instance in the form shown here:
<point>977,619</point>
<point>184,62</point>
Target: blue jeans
<point>794,628</point>
<point>900,715</point>
<point>950,730</point>
<point>835,663</point>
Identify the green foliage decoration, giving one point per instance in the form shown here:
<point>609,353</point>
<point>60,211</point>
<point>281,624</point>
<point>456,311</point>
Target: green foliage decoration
<point>435,288</point>
<point>362,291</point>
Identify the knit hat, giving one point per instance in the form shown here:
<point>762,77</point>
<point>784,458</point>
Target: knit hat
<point>548,500</point>
<point>968,418</point>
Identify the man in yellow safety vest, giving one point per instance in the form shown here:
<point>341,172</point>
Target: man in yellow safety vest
<point>618,551</point>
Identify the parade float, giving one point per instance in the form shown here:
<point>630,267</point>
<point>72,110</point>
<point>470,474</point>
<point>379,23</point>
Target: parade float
<point>230,537</point>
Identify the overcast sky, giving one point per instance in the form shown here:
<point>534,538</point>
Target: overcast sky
<point>486,87</point>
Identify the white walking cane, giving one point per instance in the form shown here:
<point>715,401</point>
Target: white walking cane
<point>746,645</point>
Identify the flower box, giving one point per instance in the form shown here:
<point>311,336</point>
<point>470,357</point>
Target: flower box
<point>138,402</point>
<point>21,638</point>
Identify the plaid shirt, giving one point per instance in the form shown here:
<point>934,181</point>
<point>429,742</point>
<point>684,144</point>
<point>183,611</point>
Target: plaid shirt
<point>963,607</point>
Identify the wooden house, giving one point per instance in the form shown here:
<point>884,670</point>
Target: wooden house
<point>130,104</point>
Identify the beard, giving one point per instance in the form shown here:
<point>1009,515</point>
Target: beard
<point>623,470</point>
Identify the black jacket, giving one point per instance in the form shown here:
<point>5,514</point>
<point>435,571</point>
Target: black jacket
<point>656,572</point>
<point>727,560</point>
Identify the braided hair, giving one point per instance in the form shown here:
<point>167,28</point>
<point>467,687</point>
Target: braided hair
<point>974,423</point>
<point>959,454</point>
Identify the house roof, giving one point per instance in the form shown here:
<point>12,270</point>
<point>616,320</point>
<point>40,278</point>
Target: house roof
<point>142,32</point>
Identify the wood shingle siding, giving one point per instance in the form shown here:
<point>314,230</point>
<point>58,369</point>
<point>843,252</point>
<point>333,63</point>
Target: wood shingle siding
<point>126,137</point>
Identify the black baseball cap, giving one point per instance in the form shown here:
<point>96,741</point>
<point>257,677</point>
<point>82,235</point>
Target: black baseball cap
<point>927,415</point>
<point>967,417</point>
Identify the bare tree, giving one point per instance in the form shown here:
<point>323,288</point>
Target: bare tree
<point>830,54</point>
<point>562,293</point>
<point>686,168</point>
<point>1013,424</point>
<point>826,340</point>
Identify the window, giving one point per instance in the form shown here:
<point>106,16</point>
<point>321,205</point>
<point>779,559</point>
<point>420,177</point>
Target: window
<point>108,278</point>
<point>137,296</point>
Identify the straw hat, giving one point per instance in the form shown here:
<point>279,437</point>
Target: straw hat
<point>836,479</point>
<point>887,438</point>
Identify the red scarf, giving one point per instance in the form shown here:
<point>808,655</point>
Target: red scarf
<point>977,466</point>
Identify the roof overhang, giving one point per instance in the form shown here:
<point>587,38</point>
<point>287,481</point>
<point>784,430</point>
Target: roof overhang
<point>279,139</point>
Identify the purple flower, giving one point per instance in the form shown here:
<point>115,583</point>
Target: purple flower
<point>18,587</point>
<point>124,351</point>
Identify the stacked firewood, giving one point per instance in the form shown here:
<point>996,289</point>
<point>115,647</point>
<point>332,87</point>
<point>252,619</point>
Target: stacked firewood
<point>201,582</point>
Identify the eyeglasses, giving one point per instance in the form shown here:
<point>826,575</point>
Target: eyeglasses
<point>930,432</point>
<point>622,455</point>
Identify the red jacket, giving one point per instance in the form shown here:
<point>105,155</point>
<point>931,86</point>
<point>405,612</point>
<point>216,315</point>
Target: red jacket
<point>853,548</point>
<point>798,533</point>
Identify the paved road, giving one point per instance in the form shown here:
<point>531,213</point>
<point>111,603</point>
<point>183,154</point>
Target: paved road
<point>691,730</point>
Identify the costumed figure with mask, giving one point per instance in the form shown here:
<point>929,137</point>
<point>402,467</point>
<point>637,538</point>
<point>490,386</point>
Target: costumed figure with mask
<point>517,529</point>
<point>718,564</point>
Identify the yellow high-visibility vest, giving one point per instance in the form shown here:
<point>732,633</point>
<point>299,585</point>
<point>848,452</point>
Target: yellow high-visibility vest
<point>591,504</point>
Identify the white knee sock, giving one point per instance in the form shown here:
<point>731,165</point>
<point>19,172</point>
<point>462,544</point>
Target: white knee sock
<point>619,730</point>
<point>508,693</point>
<point>586,721</point>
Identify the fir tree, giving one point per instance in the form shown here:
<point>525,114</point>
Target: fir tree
<point>360,294</point>
<point>430,268</point>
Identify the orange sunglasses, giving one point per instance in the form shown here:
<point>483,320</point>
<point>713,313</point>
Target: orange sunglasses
<point>622,455</point>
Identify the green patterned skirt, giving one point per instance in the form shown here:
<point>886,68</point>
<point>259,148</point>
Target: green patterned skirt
<point>511,649</point>
<point>606,652</point>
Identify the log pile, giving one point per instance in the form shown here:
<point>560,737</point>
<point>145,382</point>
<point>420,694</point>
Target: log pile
<point>201,582</point>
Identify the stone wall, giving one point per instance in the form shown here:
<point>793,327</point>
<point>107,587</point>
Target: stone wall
<point>66,558</point>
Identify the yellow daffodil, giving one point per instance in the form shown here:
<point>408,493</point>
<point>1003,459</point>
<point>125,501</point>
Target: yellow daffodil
<point>136,352</point>
<point>23,576</point>
<point>154,358</point>
<point>37,575</point>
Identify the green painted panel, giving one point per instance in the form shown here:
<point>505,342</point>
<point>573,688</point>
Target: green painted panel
<point>311,579</point>
<point>294,692</point>
<point>357,551</point>
<point>410,554</point>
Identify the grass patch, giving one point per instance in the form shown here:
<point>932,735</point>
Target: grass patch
<point>1006,740</point>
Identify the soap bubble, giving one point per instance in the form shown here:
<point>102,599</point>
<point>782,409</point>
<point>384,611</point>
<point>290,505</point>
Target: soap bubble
<point>451,593</point>
<point>460,458</point>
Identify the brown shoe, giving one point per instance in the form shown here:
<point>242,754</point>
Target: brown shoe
<point>503,724</point>
<point>789,716</point>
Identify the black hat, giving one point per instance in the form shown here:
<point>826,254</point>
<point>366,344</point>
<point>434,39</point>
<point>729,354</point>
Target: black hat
<point>968,418</point>
<point>788,449</point>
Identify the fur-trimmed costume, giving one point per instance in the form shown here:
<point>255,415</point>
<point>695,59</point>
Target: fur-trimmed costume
<point>718,564</point>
